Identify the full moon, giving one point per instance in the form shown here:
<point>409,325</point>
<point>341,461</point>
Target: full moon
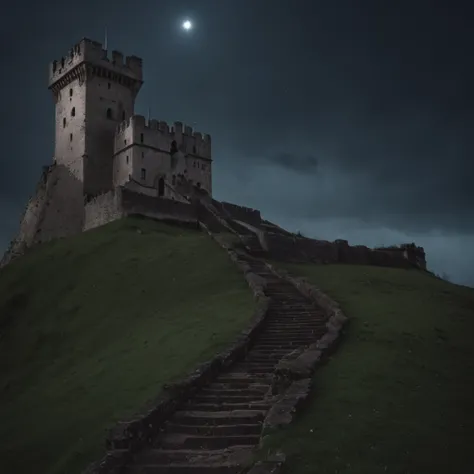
<point>187,25</point>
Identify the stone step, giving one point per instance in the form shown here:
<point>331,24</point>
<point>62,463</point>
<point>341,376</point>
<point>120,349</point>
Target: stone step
<point>282,339</point>
<point>184,441</point>
<point>236,385</point>
<point>156,456</point>
<point>226,391</point>
<point>262,359</point>
<point>249,364</point>
<point>239,377</point>
<point>215,430</point>
<point>193,468</point>
<point>227,398</point>
<point>194,406</point>
<point>295,331</point>
<point>288,346</point>
<point>219,417</point>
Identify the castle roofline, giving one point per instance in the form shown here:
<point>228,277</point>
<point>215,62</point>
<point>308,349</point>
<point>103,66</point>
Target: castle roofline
<point>91,53</point>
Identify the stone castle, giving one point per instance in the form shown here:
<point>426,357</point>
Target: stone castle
<point>101,145</point>
<point>110,163</point>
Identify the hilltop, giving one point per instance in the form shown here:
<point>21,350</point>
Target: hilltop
<point>92,326</point>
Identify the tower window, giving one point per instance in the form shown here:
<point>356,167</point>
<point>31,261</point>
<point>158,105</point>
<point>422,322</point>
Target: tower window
<point>127,159</point>
<point>125,142</point>
<point>70,92</point>
<point>123,115</point>
<point>143,173</point>
<point>141,137</point>
<point>108,85</point>
<point>194,149</point>
<point>70,137</point>
<point>64,122</point>
<point>109,113</point>
<point>73,112</point>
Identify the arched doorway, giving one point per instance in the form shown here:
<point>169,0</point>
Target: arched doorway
<point>161,187</point>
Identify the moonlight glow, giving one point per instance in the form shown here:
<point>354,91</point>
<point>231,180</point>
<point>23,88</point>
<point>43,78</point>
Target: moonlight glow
<point>187,25</point>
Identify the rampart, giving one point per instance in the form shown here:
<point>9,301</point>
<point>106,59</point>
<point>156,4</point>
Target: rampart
<point>123,202</point>
<point>242,213</point>
<point>303,250</point>
<point>163,209</point>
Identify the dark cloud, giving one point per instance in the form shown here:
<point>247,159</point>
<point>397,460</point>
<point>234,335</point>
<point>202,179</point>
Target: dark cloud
<point>299,163</point>
<point>355,111</point>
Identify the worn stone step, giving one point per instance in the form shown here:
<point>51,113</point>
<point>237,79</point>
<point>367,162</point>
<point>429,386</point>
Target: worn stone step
<point>215,430</point>
<point>296,331</point>
<point>184,441</point>
<point>289,346</point>
<point>249,364</point>
<point>227,398</point>
<point>219,417</point>
<point>261,387</point>
<point>194,406</point>
<point>157,456</point>
<point>293,340</point>
<point>185,469</point>
<point>239,377</point>
<point>210,390</point>
<point>264,358</point>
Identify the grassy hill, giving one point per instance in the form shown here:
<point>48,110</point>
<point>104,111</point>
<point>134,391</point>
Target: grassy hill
<point>398,395</point>
<point>92,326</point>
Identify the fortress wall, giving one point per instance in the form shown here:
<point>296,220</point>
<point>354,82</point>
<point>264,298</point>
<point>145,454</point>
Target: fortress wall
<point>296,249</point>
<point>242,213</point>
<point>64,209</point>
<point>102,210</point>
<point>55,210</point>
<point>163,209</point>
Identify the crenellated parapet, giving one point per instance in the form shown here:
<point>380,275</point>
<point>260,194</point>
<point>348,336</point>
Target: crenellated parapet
<point>90,58</point>
<point>158,134</point>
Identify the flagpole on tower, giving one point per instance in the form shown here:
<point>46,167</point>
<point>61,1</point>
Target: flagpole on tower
<point>105,39</point>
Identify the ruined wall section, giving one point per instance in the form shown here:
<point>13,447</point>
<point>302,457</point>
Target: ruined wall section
<point>55,210</point>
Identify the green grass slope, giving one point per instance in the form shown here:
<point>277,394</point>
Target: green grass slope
<point>397,396</point>
<point>92,326</point>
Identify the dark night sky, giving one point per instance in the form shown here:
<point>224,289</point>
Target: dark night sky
<point>341,119</point>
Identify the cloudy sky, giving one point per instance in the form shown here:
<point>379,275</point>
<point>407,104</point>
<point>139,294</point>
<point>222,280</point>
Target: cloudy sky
<point>341,118</point>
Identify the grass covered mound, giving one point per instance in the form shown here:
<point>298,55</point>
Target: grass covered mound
<point>92,326</point>
<point>397,396</point>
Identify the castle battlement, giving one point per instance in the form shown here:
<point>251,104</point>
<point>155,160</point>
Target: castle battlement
<point>92,53</point>
<point>137,130</point>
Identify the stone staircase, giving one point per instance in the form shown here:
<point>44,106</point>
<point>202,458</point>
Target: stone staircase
<point>216,430</point>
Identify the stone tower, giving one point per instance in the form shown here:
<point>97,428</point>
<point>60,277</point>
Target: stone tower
<point>93,93</point>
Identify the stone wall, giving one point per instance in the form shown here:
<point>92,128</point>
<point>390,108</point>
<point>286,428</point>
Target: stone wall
<point>163,209</point>
<point>303,250</point>
<point>103,209</point>
<point>242,213</point>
